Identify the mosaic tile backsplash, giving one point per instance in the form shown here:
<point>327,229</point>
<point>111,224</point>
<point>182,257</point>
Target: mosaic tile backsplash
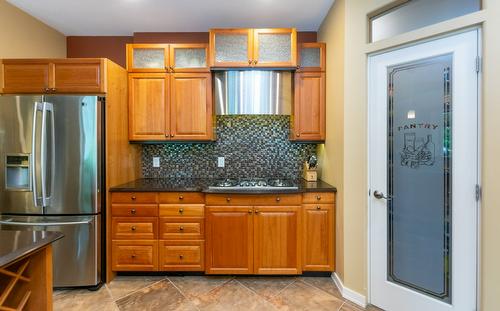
<point>252,145</point>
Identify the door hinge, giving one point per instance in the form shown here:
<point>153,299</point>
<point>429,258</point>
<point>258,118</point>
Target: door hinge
<point>479,64</point>
<point>478,193</point>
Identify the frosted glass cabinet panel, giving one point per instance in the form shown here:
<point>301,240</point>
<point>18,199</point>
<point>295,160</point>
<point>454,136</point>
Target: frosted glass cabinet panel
<point>189,57</point>
<point>312,56</point>
<point>275,48</point>
<point>147,57</point>
<point>231,47</point>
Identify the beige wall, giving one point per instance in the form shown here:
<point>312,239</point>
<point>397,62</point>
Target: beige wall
<point>347,139</point>
<point>21,35</point>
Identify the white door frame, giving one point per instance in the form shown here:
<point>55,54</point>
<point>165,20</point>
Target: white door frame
<point>478,160</point>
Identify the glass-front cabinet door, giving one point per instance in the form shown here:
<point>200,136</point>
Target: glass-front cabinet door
<point>231,47</point>
<point>275,47</point>
<point>311,56</point>
<point>189,58</point>
<point>147,57</point>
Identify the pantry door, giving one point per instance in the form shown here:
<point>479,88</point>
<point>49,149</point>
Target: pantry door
<point>423,168</point>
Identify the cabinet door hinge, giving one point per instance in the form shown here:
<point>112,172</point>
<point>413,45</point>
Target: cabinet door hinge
<point>478,193</point>
<point>479,64</point>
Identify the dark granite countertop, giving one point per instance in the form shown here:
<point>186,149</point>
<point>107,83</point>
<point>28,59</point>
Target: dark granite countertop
<point>202,185</point>
<point>16,244</point>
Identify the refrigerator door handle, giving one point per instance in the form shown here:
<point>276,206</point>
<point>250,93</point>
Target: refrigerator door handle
<point>44,224</point>
<point>36,199</point>
<point>48,108</point>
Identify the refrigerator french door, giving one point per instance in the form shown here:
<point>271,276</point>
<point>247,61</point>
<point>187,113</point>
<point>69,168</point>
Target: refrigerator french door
<point>50,177</point>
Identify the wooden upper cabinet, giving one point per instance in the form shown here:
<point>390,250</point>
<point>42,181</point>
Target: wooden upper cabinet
<point>54,76</point>
<point>189,58</point>
<point>273,47</point>
<point>149,113</point>
<point>147,57</point>
<point>79,75</point>
<point>229,240</point>
<point>309,107</point>
<point>318,237</point>
<point>231,47</point>
<point>191,106</point>
<point>277,240</point>
<point>311,57</point>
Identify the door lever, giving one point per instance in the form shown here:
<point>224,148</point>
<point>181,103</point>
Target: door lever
<point>380,195</point>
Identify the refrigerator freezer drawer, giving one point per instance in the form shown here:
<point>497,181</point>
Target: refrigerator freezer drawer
<point>77,256</point>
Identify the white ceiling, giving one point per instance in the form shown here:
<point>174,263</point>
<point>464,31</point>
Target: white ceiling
<point>124,17</point>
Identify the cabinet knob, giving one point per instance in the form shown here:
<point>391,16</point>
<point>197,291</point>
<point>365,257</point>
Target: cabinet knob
<point>257,211</point>
<point>181,257</point>
<point>249,61</point>
<point>298,67</point>
<point>278,199</point>
<point>53,89</point>
<point>318,197</point>
<point>46,90</point>
<point>318,207</point>
<point>172,135</point>
<point>250,211</point>
<point>228,199</point>
<point>181,228</point>
<point>255,62</point>
<point>133,211</point>
<point>298,134</point>
<point>181,210</point>
<point>133,255</point>
<point>133,228</point>
<point>133,198</point>
<point>181,197</point>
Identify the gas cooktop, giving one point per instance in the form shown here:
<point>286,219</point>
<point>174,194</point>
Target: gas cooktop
<point>254,184</point>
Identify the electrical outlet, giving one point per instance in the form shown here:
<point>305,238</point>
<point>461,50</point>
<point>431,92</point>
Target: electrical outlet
<point>220,162</point>
<point>156,161</point>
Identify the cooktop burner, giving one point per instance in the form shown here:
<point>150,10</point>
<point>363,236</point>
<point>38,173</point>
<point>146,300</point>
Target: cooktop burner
<point>254,183</point>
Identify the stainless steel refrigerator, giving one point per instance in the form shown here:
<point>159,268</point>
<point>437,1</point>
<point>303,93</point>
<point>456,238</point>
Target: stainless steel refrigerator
<point>50,178</point>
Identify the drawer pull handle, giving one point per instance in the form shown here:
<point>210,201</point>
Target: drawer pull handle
<point>181,197</point>
<point>318,197</point>
<point>181,210</point>
<point>134,197</point>
<point>318,207</point>
<point>133,211</point>
<point>181,228</point>
<point>278,199</point>
<point>228,199</point>
<point>133,256</point>
<point>181,257</point>
<point>133,228</point>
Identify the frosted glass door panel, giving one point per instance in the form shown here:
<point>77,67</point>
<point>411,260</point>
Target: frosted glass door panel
<point>419,176</point>
<point>310,57</point>
<point>149,58</point>
<point>190,58</point>
<point>231,48</point>
<point>275,47</point>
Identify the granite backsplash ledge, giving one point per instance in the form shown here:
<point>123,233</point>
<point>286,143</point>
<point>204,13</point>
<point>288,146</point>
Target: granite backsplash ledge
<point>252,145</point>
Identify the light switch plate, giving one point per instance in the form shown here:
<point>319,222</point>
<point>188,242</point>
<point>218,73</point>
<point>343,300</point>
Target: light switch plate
<point>156,161</point>
<point>220,162</point>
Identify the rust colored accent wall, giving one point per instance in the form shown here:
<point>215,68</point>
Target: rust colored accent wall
<point>112,47</point>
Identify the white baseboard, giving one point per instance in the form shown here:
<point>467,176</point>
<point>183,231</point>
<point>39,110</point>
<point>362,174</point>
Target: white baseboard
<point>348,293</point>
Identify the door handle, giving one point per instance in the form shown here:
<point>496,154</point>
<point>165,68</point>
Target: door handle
<point>380,195</point>
<point>36,199</point>
<point>45,224</point>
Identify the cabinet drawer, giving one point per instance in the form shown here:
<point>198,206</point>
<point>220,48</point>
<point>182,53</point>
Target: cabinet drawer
<point>182,228</point>
<point>134,210</point>
<point>238,199</point>
<point>135,255</point>
<point>131,228</point>
<point>182,210</point>
<point>319,197</point>
<point>133,197</point>
<point>181,255</point>
<point>181,198</point>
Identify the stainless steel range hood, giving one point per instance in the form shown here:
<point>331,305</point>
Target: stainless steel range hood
<point>253,92</point>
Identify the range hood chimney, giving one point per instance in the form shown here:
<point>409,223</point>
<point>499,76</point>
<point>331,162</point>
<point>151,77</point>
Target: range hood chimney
<point>253,92</point>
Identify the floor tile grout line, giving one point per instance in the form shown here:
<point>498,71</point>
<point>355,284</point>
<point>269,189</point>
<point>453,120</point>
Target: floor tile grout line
<point>182,293</point>
<point>139,289</point>
<point>321,289</point>
<point>258,295</point>
<point>340,308</point>
<point>278,293</point>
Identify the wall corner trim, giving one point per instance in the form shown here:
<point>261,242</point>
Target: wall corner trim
<point>348,293</point>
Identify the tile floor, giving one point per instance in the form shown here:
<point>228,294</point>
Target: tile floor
<point>208,293</point>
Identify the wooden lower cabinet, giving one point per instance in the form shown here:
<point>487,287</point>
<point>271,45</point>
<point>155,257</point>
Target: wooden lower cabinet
<point>181,255</point>
<point>135,255</point>
<point>318,237</point>
<point>229,236</point>
<point>277,240</point>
